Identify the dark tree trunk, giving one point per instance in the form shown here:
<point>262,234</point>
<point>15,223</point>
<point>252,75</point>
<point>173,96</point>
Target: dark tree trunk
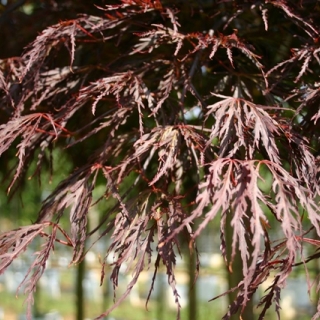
<point>192,305</point>
<point>79,291</point>
<point>160,298</point>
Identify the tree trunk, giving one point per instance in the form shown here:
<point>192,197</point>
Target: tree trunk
<point>192,305</point>
<point>161,298</point>
<point>80,291</point>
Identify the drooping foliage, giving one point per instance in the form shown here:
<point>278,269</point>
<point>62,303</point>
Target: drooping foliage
<point>180,109</point>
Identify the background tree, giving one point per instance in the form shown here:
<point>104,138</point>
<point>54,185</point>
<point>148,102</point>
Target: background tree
<point>180,108</point>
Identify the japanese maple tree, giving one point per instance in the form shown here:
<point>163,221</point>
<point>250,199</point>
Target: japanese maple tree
<point>180,109</point>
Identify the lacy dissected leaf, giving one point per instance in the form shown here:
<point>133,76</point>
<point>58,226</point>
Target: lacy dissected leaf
<point>165,88</point>
<point>3,83</point>
<point>125,87</point>
<point>162,35</point>
<point>241,123</point>
<point>15,242</point>
<point>75,193</point>
<point>66,33</point>
<point>144,250</point>
<point>167,142</point>
<point>309,107</point>
<point>304,54</point>
<point>292,13</point>
<point>52,83</point>
<point>131,248</point>
<point>31,129</point>
<point>37,269</point>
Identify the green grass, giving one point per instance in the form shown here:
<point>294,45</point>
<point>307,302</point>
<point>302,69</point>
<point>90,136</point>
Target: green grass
<point>66,307</point>
<point>126,311</point>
